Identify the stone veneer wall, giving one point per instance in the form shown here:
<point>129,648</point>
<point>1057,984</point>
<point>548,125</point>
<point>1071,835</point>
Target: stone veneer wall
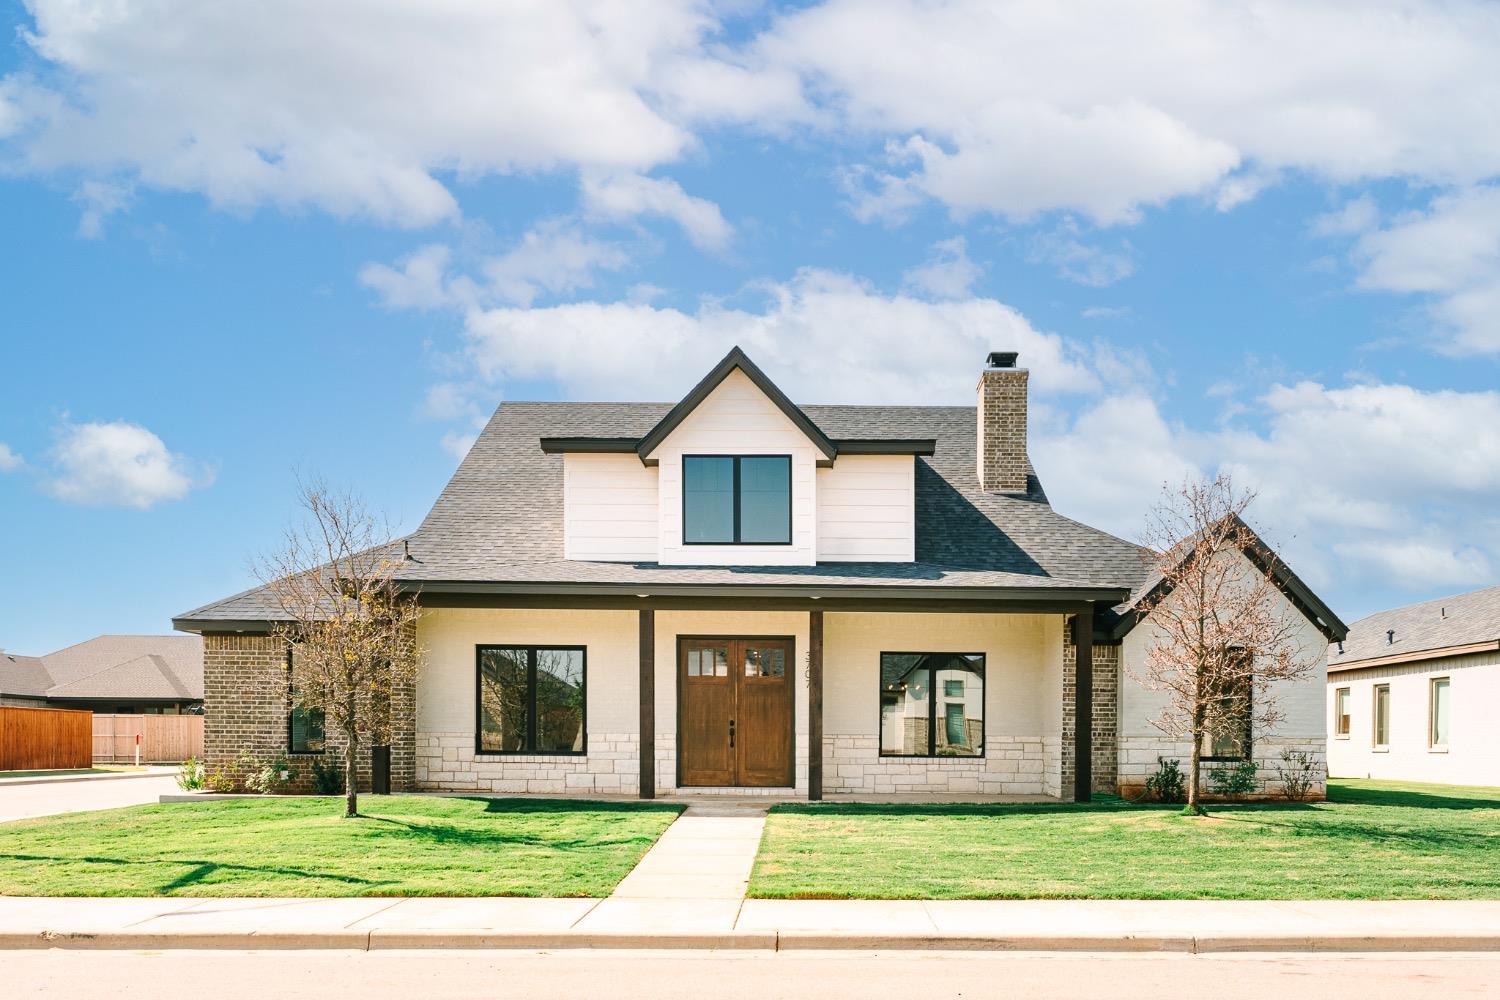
<point>1106,719</point>
<point>245,709</point>
<point>1140,755</point>
<point>1011,765</point>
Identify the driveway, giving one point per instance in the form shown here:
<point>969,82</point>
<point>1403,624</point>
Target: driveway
<point>52,796</point>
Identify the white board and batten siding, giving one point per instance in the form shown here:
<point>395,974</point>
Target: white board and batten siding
<point>867,509</point>
<point>610,509</point>
<point>737,419</point>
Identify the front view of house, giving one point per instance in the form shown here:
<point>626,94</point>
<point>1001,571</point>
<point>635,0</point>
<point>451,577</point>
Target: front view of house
<point>737,594</point>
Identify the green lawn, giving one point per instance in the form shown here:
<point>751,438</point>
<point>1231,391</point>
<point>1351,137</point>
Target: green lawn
<point>1371,840</point>
<point>401,846</point>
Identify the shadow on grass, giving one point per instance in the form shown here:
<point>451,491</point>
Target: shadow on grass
<point>200,871</point>
<point>1101,805</point>
<point>1375,795</point>
<point>454,835</point>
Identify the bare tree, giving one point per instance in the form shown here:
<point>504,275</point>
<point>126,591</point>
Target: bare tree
<point>353,636</point>
<point>1223,635</point>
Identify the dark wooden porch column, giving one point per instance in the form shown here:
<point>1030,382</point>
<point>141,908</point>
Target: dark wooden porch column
<point>814,706</point>
<point>648,703</point>
<point>1083,704</point>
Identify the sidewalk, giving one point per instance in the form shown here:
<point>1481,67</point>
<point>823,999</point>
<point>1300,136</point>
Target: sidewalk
<point>623,922</point>
<point>146,771</point>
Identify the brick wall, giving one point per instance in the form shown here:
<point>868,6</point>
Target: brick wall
<point>245,709</point>
<point>1002,430</point>
<point>1105,736</point>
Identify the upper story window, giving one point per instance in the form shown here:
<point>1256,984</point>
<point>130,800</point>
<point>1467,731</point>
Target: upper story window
<point>737,500</point>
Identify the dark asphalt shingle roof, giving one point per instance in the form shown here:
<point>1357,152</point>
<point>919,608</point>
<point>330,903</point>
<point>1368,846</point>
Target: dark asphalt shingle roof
<point>125,667</point>
<point>500,518</point>
<point>23,676</point>
<point>1470,618</point>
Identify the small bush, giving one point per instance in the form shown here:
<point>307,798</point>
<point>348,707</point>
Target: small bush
<point>219,780</point>
<point>1168,783</point>
<point>1233,781</point>
<point>192,776</point>
<point>1297,773</point>
<point>267,776</point>
<point>328,776</point>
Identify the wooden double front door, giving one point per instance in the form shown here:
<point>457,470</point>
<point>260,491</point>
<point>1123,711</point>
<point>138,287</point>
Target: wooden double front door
<point>735,711</point>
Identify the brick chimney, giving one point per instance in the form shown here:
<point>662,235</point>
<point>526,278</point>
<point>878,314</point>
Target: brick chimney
<point>1002,425</point>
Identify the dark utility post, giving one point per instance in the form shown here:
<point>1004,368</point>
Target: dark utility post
<point>814,706</point>
<point>1083,705</point>
<point>648,703</point>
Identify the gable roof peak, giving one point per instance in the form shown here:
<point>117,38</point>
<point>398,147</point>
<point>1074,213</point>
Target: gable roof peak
<point>735,360</point>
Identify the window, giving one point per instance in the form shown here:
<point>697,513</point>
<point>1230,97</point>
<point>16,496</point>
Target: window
<point>1382,728</point>
<point>304,726</point>
<point>737,500</point>
<point>1437,728</point>
<point>932,704</point>
<point>530,699</point>
<point>1230,729</point>
<point>1341,713</point>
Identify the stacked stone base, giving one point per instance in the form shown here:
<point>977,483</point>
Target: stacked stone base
<point>447,762</point>
<point>1140,756</point>
<point>1012,765</point>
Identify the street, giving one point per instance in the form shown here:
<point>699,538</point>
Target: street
<point>663,975</point>
<point>23,801</point>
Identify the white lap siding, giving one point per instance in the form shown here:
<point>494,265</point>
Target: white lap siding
<point>1472,755</point>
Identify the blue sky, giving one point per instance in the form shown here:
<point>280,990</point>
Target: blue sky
<point>249,239</point>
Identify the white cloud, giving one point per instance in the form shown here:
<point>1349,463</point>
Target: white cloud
<point>99,200</point>
<point>356,107</point>
<point>10,461</point>
<point>948,273</point>
<point>1078,261</point>
<point>1039,106</point>
<point>1358,215</point>
<point>420,282</point>
<point>1450,253</point>
<point>625,196</point>
<point>119,464</point>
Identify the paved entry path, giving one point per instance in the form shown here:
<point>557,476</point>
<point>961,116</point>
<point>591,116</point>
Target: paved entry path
<point>697,872</point>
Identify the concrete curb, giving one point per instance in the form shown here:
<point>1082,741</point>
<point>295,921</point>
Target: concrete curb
<point>373,940</point>
<point>67,779</point>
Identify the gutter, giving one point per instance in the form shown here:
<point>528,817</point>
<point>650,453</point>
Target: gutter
<point>1440,653</point>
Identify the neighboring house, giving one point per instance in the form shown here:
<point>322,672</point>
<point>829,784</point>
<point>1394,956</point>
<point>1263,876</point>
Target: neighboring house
<point>124,674</point>
<point>734,593</point>
<point>1413,693</point>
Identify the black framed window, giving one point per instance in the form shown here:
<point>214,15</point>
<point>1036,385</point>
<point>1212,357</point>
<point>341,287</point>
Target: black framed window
<point>304,726</point>
<point>737,500</point>
<point>530,699</point>
<point>1229,737</point>
<point>932,704</point>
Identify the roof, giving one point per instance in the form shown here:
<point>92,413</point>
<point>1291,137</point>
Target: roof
<point>1444,626</point>
<point>124,667</point>
<point>1259,553</point>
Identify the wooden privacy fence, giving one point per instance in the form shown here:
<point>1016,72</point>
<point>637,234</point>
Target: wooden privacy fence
<point>35,739</point>
<point>165,739</point>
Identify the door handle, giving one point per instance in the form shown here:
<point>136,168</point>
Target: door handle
<point>731,734</point>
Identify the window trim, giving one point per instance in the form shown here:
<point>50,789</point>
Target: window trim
<point>1375,743</point>
<point>1337,715</point>
<point>932,714</point>
<point>531,650</point>
<point>291,707</point>
<point>1432,683</point>
<point>735,497</point>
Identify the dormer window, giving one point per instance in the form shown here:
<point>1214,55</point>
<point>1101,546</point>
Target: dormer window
<point>737,499</point>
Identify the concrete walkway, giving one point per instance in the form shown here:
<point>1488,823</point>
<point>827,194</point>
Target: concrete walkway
<point>1194,927</point>
<point>27,798</point>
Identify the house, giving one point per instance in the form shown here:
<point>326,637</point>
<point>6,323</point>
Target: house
<point>124,674</point>
<point>1412,692</point>
<point>734,593</point>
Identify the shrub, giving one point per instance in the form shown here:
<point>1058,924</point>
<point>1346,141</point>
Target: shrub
<point>192,776</point>
<point>267,776</point>
<point>328,776</point>
<point>1298,772</point>
<point>1233,781</point>
<point>219,780</point>
<point>1167,784</point>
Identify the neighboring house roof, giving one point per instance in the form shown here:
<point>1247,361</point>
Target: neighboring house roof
<point>1263,557</point>
<point>1444,627</point>
<point>115,667</point>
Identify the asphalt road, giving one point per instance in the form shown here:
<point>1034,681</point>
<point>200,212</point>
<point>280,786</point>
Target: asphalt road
<point>578,975</point>
<point>46,799</point>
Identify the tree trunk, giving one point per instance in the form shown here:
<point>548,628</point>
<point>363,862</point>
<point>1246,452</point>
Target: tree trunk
<point>1194,805</point>
<point>351,787</point>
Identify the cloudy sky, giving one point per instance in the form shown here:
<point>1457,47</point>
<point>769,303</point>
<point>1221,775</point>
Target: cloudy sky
<point>246,238</point>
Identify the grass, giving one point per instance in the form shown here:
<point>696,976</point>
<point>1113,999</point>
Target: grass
<point>1371,840</point>
<point>99,769</point>
<point>401,846</point>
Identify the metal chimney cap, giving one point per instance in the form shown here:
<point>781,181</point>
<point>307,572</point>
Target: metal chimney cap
<point>1002,359</point>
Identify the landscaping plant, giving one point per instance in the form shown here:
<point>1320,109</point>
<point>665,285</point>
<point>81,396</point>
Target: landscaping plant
<point>266,776</point>
<point>1234,781</point>
<point>1224,637</point>
<point>192,776</point>
<point>220,780</point>
<point>1297,773</point>
<point>328,779</point>
<point>1166,785</point>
